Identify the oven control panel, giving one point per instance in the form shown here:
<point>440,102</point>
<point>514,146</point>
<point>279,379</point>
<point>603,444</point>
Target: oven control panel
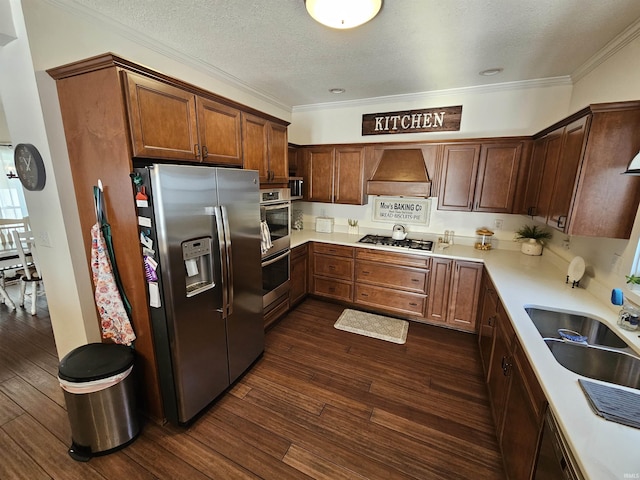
<point>275,195</point>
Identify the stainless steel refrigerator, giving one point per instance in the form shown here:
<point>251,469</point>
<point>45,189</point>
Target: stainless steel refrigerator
<point>200,230</point>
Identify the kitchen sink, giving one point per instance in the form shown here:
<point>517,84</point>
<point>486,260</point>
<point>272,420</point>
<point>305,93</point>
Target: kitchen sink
<point>600,354</point>
<point>613,366</point>
<point>548,322</point>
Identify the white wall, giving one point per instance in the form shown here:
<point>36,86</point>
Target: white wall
<point>616,79</point>
<point>69,297</point>
<point>4,128</point>
<point>501,110</point>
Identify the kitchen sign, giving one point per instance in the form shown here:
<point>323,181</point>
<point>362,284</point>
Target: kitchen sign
<point>443,119</point>
<point>405,210</point>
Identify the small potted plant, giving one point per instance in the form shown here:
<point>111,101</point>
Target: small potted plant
<point>633,280</point>
<point>533,239</point>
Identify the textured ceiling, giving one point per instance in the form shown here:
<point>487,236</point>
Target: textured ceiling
<point>412,46</point>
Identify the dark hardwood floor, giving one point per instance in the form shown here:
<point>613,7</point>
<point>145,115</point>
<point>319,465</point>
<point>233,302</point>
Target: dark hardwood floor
<point>321,403</point>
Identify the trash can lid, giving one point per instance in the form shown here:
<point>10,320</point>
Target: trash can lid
<point>95,361</point>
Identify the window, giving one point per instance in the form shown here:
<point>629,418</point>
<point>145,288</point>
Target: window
<point>12,203</point>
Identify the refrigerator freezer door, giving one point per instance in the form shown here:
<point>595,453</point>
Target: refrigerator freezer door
<point>183,200</point>
<point>239,194</point>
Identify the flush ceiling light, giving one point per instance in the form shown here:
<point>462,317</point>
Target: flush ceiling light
<point>489,72</point>
<point>337,91</point>
<point>343,13</point>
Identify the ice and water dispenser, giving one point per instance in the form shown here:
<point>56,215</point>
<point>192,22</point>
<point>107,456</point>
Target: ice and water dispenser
<point>197,261</point>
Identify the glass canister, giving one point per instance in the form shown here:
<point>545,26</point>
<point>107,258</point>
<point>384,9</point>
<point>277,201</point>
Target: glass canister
<point>297,223</point>
<point>483,239</point>
<point>628,317</point>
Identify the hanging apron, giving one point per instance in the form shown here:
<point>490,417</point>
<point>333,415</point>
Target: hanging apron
<point>114,320</point>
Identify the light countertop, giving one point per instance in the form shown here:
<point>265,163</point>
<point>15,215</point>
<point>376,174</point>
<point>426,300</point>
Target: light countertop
<point>603,449</point>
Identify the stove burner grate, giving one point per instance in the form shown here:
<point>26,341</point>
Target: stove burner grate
<point>426,245</point>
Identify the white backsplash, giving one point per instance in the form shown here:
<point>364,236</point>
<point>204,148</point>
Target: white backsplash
<point>464,224</point>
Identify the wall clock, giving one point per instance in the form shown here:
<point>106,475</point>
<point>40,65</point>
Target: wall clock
<point>29,166</point>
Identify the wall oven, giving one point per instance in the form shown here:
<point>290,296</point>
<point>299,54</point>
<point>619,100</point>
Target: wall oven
<point>275,211</point>
<point>275,215</point>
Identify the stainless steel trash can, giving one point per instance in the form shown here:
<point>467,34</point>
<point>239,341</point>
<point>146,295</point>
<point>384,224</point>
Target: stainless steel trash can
<point>99,391</point>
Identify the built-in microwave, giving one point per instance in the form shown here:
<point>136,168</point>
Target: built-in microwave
<point>295,186</point>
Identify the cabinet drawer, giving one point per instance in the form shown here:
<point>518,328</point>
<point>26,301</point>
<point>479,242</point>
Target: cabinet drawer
<point>404,278</point>
<point>392,300</point>
<point>299,251</point>
<point>330,249</point>
<point>335,267</point>
<point>332,288</point>
<point>393,258</point>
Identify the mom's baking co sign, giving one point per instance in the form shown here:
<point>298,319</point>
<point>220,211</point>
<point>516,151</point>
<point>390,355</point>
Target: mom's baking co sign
<point>443,119</point>
<point>401,209</point>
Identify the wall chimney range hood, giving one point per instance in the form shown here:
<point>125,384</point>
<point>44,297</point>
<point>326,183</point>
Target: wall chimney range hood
<point>400,173</point>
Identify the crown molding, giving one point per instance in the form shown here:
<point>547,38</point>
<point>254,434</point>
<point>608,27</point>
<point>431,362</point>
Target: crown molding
<point>627,36</point>
<point>76,8</point>
<point>417,97</point>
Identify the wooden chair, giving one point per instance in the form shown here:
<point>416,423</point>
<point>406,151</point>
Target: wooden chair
<point>8,225</point>
<point>29,266</point>
<point>9,259</point>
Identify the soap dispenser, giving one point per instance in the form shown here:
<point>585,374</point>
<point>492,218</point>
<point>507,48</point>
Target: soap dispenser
<point>629,314</point>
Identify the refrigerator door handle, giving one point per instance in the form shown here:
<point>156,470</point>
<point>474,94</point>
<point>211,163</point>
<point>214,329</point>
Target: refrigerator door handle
<point>229,259</point>
<point>217,214</point>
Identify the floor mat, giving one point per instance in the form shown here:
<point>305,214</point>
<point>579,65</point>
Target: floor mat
<point>375,326</point>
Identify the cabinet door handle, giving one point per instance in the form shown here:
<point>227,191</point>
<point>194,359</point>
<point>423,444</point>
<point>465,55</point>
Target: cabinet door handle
<point>205,151</point>
<point>490,321</point>
<point>506,366</point>
<point>197,150</point>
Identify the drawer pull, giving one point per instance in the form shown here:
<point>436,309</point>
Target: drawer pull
<point>364,272</point>
<point>413,304</point>
<point>332,267</point>
<point>332,289</point>
<point>415,280</point>
<point>364,294</point>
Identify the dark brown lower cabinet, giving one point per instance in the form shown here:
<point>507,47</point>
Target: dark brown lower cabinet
<point>517,400</point>
<point>299,274</point>
<point>524,412</point>
<point>487,314</point>
<point>332,271</point>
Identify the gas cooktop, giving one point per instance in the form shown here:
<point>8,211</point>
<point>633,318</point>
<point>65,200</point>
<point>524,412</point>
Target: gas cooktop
<point>425,245</point>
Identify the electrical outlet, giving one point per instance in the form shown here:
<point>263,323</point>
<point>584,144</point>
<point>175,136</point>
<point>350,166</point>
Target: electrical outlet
<point>615,263</point>
<point>43,239</point>
<point>498,223</point>
<point>566,244</point>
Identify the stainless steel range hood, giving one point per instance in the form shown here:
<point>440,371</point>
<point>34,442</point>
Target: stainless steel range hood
<point>401,173</point>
